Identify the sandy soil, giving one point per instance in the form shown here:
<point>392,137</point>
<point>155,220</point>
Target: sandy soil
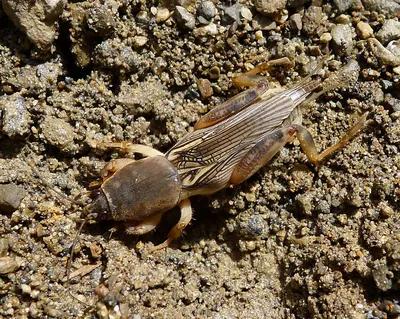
<point>294,241</point>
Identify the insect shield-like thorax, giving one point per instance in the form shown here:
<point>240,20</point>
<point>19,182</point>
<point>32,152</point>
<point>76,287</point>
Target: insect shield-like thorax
<point>140,190</point>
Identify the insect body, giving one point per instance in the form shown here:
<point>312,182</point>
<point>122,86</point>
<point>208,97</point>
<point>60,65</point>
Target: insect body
<point>229,144</point>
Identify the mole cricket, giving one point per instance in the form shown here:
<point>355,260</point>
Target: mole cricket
<point>228,145</point>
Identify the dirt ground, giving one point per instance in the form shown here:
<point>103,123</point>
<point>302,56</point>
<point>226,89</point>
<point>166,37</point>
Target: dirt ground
<point>296,240</point>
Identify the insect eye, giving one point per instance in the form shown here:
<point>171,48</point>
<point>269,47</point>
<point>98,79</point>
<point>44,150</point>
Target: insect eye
<point>95,194</point>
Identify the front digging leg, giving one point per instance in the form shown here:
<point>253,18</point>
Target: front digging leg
<point>128,147</point>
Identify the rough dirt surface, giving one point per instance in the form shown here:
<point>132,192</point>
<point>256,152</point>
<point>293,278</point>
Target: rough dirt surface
<point>294,241</point>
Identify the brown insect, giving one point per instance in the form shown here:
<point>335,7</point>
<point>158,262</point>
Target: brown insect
<point>229,144</point>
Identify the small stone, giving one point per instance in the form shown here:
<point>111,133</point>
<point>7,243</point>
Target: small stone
<point>382,277</point>
<point>261,22</point>
<point>214,73</point>
<point>389,31</point>
<point>3,246</point>
<point>259,35</point>
<point>52,311</point>
<point>386,85</point>
<point>162,14</point>
<point>205,88</point>
<point>343,19</point>
<point>11,196</point>
<point>16,118</point>
<point>343,5</point>
<point>26,289</point>
<point>159,65</point>
<point>231,14</point>
<point>364,30</point>
<point>184,18</point>
<point>113,54</point>
<point>257,226</point>
<point>269,6</point>
<point>325,37</point>
<point>96,251</point>
<point>36,19</point>
<point>305,203</point>
<point>57,132</point>
<point>394,47</point>
<point>386,210</point>
<point>342,39</point>
<point>187,4</point>
<point>390,8</point>
<point>246,14</point>
<point>207,30</point>
<point>140,41</point>
<point>8,265</point>
<point>101,20</point>
<point>384,56</point>
<point>295,21</point>
<point>206,11</point>
<point>312,20</point>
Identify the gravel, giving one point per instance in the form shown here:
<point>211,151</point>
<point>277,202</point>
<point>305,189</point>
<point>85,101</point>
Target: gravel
<point>296,240</point>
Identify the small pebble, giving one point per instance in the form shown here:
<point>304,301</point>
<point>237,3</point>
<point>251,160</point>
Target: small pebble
<point>343,19</point>
<point>246,14</point>
<point>26,289</point>
<point>57,132</point>
<point>384,56</point>
<point>269,6</point>
<point>140,41</point>
<point>386,210</point>
<point>207,30</point>
<point>162,14</point>
<point>15,117</point>
<point>325,37</point>
<point>8,265</point>
<point>386,85</point>
<point>206,12</point>
<point>257,226</point>
<point>343,5</point>
<point>364,30</point>
<point>3,246</point>
<point>389,8</point>
<point>11,196</point>
<point>261,22</point>
<point>95,251</point>
<point>382,277</point>
<point>394,47</point>
<point>214,73</point>
<point>312,20</point>
<point>231,14</point>
<point>295,22</point>
<point>205,88</point>
<point>52,311</point>
<point>35,18</point>
<point>389,31</point>
<point>184,18</point>
<point>259,35</point>
<point>342,39</point>
<point>101,20</point>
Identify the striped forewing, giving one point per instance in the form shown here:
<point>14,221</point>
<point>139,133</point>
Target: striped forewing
<point>208,156</point>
